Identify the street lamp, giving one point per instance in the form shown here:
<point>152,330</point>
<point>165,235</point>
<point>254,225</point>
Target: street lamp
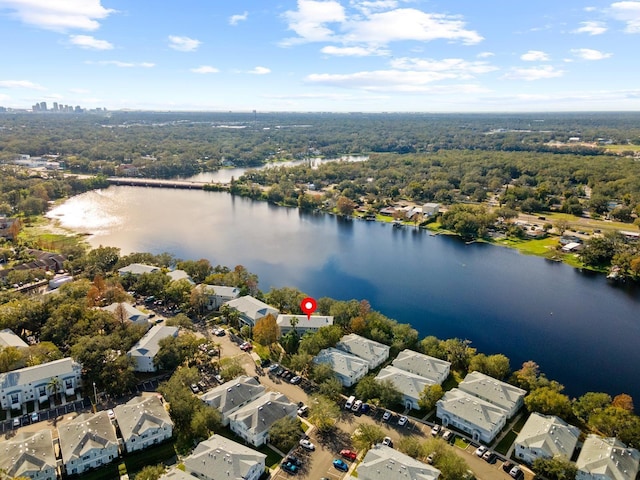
<point>95,394</point>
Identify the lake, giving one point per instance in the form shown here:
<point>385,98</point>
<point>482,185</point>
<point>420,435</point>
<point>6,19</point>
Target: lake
<point>583,331</point>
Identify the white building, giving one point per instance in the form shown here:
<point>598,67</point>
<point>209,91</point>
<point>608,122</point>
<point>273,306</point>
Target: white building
<point>607,459</point>
<point>426,366</point>
<point>545,436</point>
<point>35,383</point>
<point>478,418</point>
<point>136,269</point>
<point>374,353</point>
<point>10,339</point>
<point>253,421</point>
<point>408,384</point>
<point>385,463</point>
<point>29,454</point>
<point>251,309</point>
<point>233,395</point>
<point>146,349</point>
<point>303,323</point>
<point>87,441</point>
<point>217,295</point>
<point>129,312</point>
<point>176,275</point>
<point>348,368</point>
<point>143,422</point>
<point>430,209</point>
<point>218,457</point>
<point>501,394</point>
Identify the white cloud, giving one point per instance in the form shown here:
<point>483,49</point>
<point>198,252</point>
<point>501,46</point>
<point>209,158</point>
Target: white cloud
<point>534,56</point>
<point>259,71</point>
<point>235,19</point>
<point>120,64</point>
<point>205,69</point>
<point>628,12</point>
<point>183,44</point>
<point>89,42</point>
<point>368,7</point>
<point>485,54</point>
<point>534,73</point>
<point>310,20</point>
<point>20,84</point>
<point>453,66</point>
<point>353,51</point>
<point>58,15</point>
<point>590,54</point>
<point>591,28</point>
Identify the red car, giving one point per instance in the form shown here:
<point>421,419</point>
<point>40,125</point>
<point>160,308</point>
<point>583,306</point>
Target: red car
<point>348,454</point>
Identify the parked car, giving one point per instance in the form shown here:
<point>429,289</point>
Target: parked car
<point>219,378</point>
<point>507,466</point>
<point>289,467</point>
<point>435,430</point>
<point>34,417</point>
<point>480,451</point>
<point>387,441</point>
<point>348,454</point>
<point>295,460</point>
<point>273,367</point>
<point>516,472</point>
<point>365,408</point>
<point>447,435</point>
<point>303,411</point>
<point>194,388</point>
<point>246,346</point>
<point>341,465</point>
<point>402,421</point>
<point>356,406</point>
<point>295,380</point>
<point>489,456</point>
<point>431,458</point>
<point>306,444</point>
<point>16,422</point>
<point>265,362</point>
<point>111,414</point>
<point>387,416</point>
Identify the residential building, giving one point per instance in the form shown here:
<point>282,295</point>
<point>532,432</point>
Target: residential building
<point>430,209</point>
<point>233,395</point>
<point>143,422</point>
<point>478,418</point>
<point>251,309</point>
<point>176,474</point>
<point>303,324</point>
<point>431,368</point>
<point>176,275</point>
<point>545,436</point>
<point>384,463</point>
<point>129,312</point>
<point>374,353</point>
<point>217,295</point>
<point>607,459</point>
<point>348,368</point>
<point>136,269</point>
<point>10,339</point>
<point>145,350</point>
<point>218,457</point>
<point>253,421</point>
<point>35,383</point>
<point>30,455</point>
<point>408,384</point>
<point>501,394</point>
<point>87,441</point>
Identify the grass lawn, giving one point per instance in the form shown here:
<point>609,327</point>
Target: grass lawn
<point>461,442</point>
<point>503,446</point>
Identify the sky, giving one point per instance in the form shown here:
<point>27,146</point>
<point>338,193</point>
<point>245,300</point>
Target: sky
<point>322,55</point>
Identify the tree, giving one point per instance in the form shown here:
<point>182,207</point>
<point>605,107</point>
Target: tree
<point>617,422</point>
<point>367,435</point>
<point>345,206</point>
<point>285,432</point>
<point>323,413</point>
<point>529,376</point>
<point>496,366</point>
<point>151,472</point>
<point>451,466</point>
<point>459,353</point>
<point>590,403</point>
<point>266,330</point>
<point>231,368</point>
<point>429,396</point>
<point>548,401</point>
<point>557,468</point>
<point>623,401</point>
<point>433,347</point>
<point>54,386</point>
<point>9,357</point>
<point>300,362</point>
<point>410,446</point>
<point>331,388</point>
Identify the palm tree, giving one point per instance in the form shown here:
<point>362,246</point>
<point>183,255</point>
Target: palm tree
<point>54,386</point>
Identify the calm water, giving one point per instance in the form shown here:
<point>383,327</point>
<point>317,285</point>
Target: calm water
<point>582,331</point>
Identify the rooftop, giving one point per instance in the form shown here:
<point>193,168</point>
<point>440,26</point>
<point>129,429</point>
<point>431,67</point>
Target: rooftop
<point>24,376</point>
<point>423,365</point>
<point>385,463</point>
<point>27,453</point>
<point>149,345</point>
<point>608,458</point>
<point>473,410</point>
<point>492,390</point>
<point>140,414</point>
<point>84,433</point>
<point>550,434</point>
<point>363,347</point>
<point>341,362</point>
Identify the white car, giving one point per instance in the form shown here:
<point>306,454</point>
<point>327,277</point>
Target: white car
<point>480,450</point>
<point>387,441</point>
<point>304,443</point>
<point>435,430</point>
<point>386,416</point>
<point>111,414</point>
<point>402,421</point>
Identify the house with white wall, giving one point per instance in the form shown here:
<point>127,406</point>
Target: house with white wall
<point>408,384</point>
<point>545,436</point>
<point>347,367</point>
<point>143,421</point>
<point>145,350</point>
<point>233,395</point>
<point>431,368</point>
<point>9,339</point>
<point>607,459</point>
<point>501,394</point>
<point>30,455</point>
<point>137,269</point>
<point>217,295</point>
<point>385,463</point>
<point>35,383</point>
<point>302,323</point>
<point>129,312</point>
<point>87,441</point>
<point>375,353</point>
<point>251,309</point>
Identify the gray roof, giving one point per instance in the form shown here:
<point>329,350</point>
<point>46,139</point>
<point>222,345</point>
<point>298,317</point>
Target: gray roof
<point>260,414</point>
<point>138,269</point>
<point>219,290</point>
<point>492,390</point>
<point>132,312</point>
<point>9,339</point>
<point>341,362</point>
<point>550,434</point>
<point>229,395</point>
<point>363,347</point>
<point>176,275</point>
<point>252,307</point>
<point>86,432</point>
<point>140,414</point>
<point>608,458</point>
<point>219,457</point>
<point>473,410</point>
<point>176,474</point>
<point>385,463</point>
<point>421,364</point>
<point>407,383</point>
<point>24,376</point>
<point>27,453</point>
<point>315,321</point>
<point>148,345</point>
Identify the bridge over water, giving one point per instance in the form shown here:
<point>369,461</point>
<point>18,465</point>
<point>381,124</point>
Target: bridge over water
<point>158,183</point>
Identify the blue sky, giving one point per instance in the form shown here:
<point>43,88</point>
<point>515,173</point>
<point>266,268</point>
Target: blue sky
<point>322,55</point>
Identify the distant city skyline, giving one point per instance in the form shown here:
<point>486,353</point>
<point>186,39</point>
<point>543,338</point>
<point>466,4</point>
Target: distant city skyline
<point>322,55</point>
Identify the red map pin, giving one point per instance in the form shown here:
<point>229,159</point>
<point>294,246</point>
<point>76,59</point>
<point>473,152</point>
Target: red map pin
<point>308,306</point>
